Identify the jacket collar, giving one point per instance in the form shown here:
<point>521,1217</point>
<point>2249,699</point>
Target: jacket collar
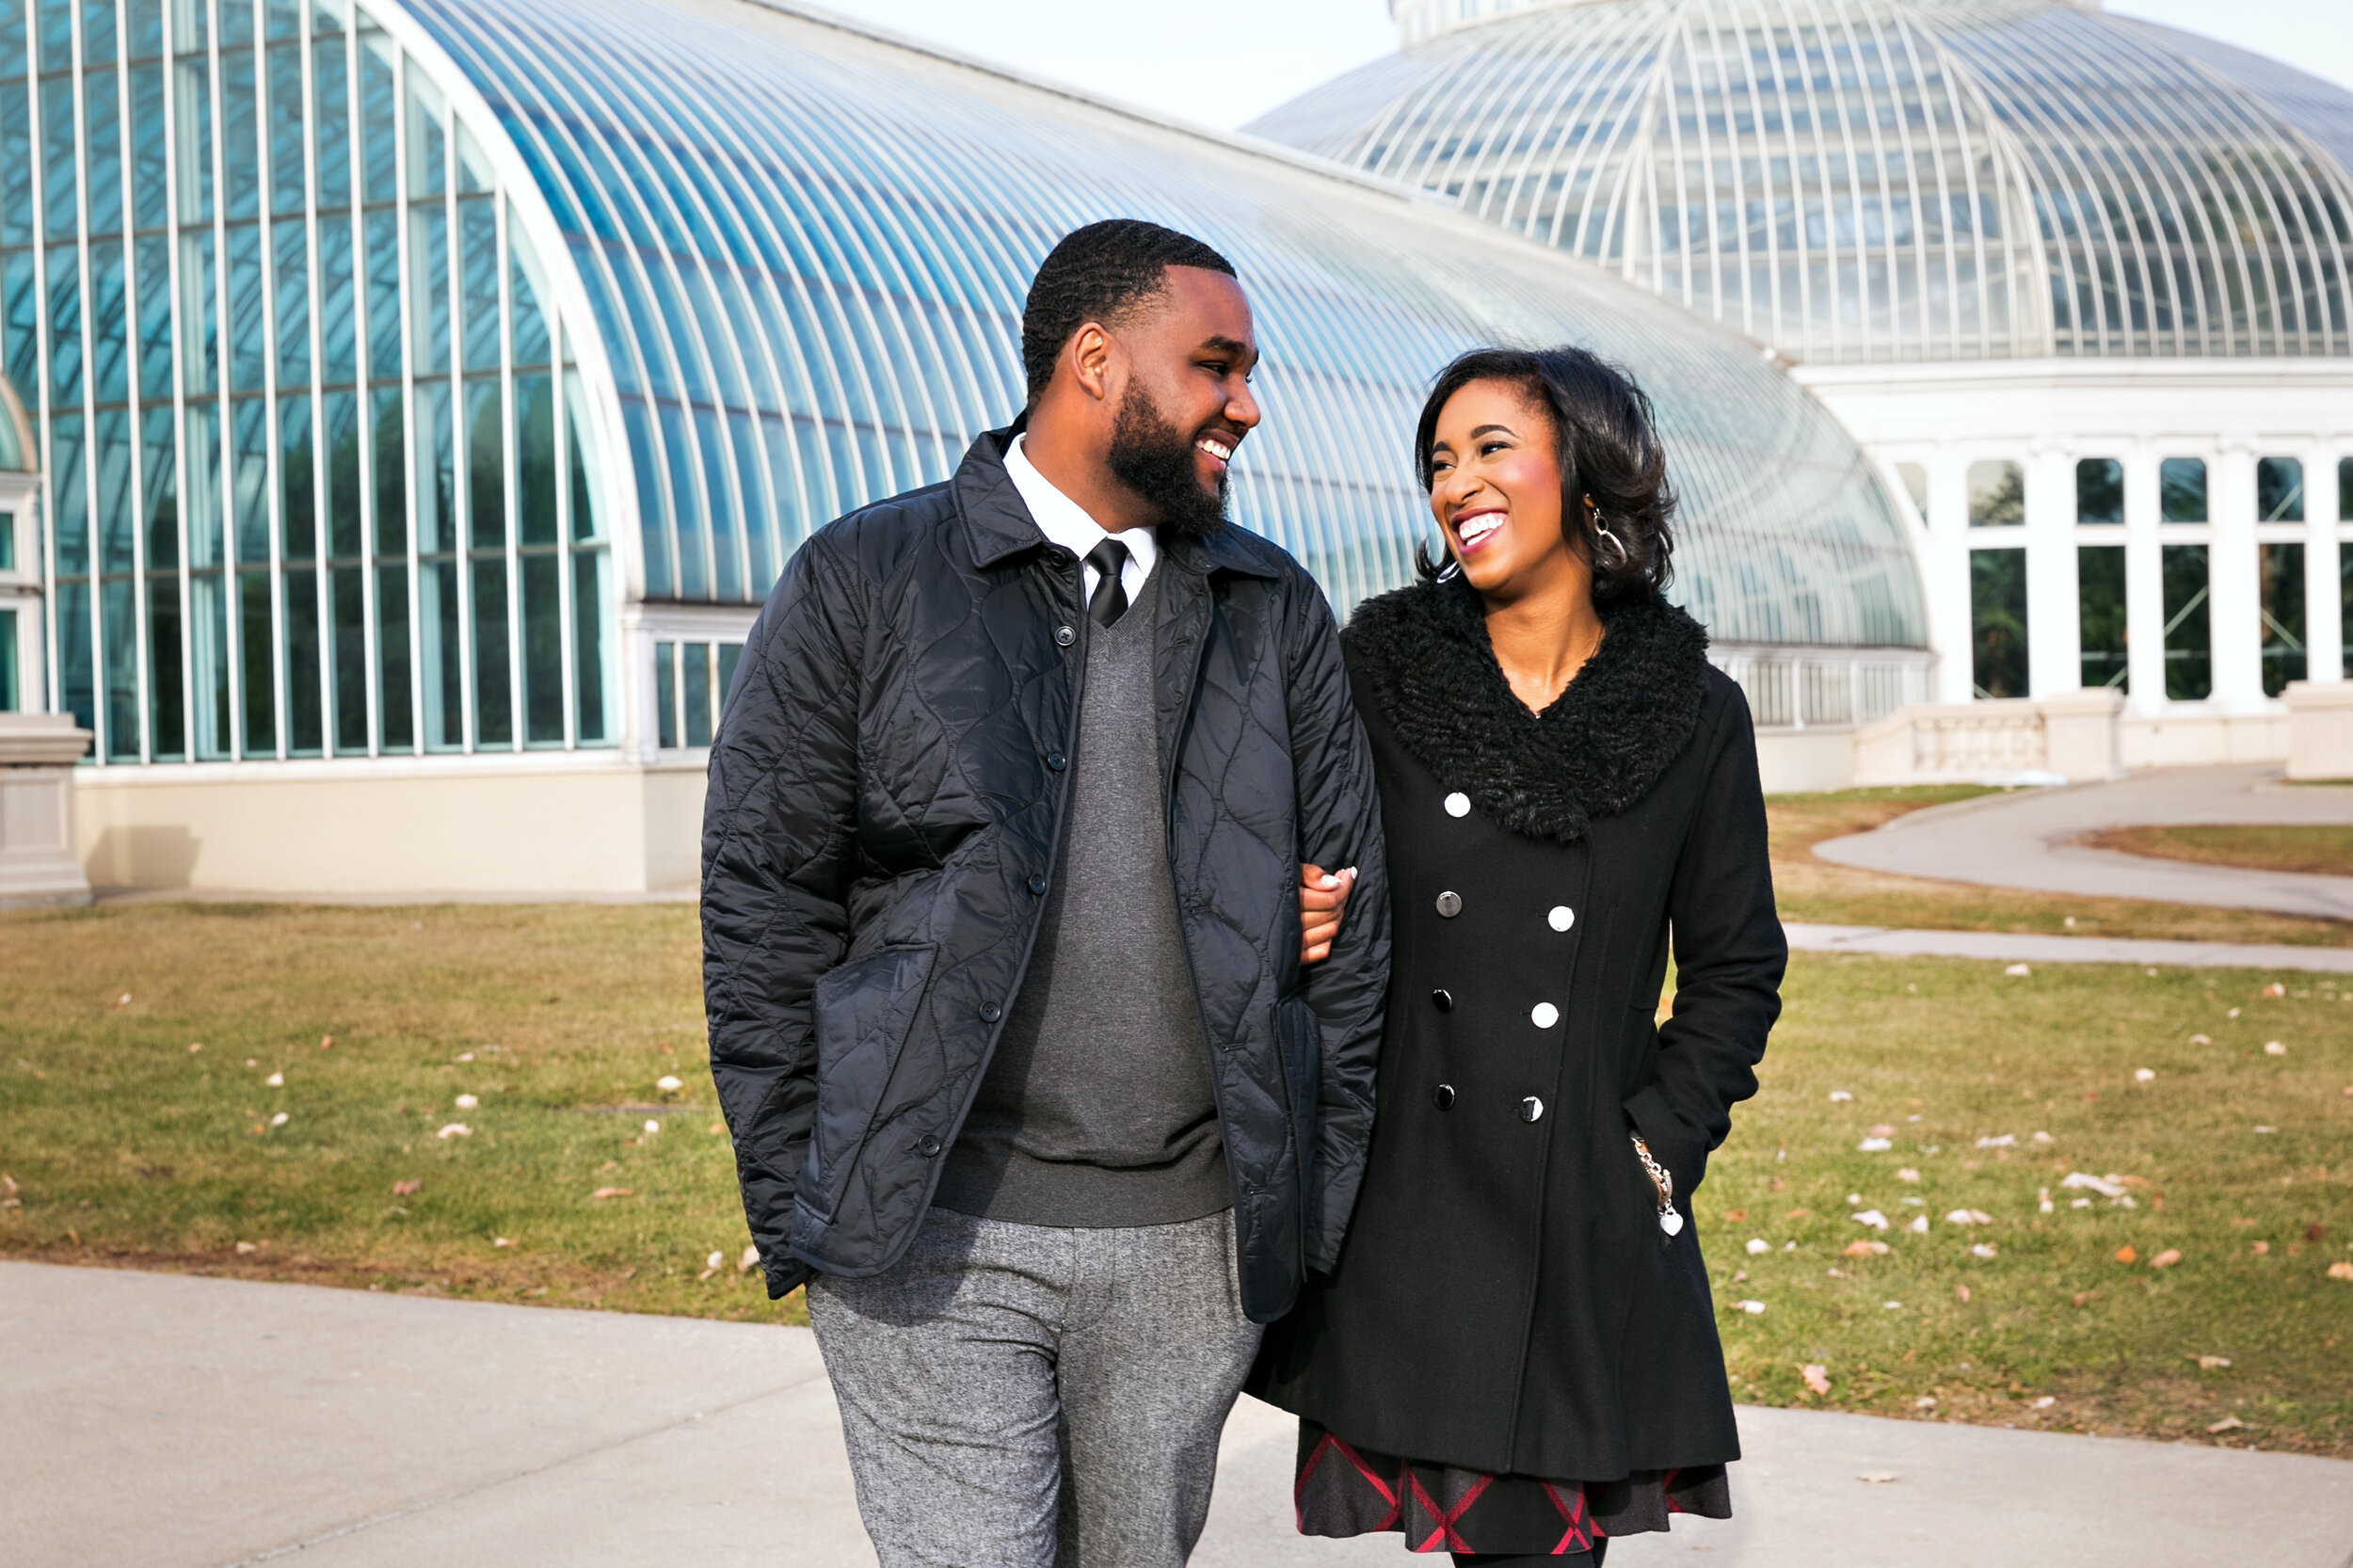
<point>998,526</point>
<point>1430,670</point>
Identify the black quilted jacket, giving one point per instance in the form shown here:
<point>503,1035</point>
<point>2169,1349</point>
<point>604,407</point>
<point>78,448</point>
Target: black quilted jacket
<point>886,798</point>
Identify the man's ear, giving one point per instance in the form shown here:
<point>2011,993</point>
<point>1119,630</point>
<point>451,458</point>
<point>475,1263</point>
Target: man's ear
<point>1089,355</point>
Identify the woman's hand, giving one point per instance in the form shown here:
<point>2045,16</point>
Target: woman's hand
<point>1322,900</point>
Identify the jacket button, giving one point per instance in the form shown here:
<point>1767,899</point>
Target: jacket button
<point>1037,884</point>
<point>1065,636</point>
<point>1443,1000</point>
<point>990,1012</point>
<point>1056,760</point>
<point>1531,1109</point>
<point>927,1145</point>
<point>1544,1014</point>
<point>1562,917</point>
<point>1457,805</point>
<point>1449,905</point>
<point>1443,1096</point>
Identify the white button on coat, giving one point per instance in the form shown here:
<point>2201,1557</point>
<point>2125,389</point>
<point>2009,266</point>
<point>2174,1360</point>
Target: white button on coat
<point>1544,1014</point>
<point>1457,805</point>
<point>1562,917</point>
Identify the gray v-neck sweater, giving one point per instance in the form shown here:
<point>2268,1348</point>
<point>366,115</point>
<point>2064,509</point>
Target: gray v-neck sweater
<point>1096,1110</point>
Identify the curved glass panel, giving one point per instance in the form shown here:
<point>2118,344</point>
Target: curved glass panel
<point>808,251</point>
<point>1881,179</point>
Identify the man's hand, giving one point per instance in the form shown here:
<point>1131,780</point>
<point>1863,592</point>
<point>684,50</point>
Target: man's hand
<point>1322,900</point>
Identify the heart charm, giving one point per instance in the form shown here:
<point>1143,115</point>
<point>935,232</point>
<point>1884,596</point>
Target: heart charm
<point>1671,1223</point>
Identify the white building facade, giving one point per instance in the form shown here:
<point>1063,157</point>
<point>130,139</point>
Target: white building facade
<point>2079,283</point>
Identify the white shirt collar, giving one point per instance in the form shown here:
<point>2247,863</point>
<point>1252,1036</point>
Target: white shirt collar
<point>1065,522</point>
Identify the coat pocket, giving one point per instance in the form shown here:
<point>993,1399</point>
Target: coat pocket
<point>862,1012</point>
<point>1300,1042</point>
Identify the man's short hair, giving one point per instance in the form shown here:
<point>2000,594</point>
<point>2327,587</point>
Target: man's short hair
<point>1100,273</point>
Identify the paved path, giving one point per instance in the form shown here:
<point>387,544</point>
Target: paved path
<point>2028,948</point>
<point>162,1421</point>
<point>2021,839</point>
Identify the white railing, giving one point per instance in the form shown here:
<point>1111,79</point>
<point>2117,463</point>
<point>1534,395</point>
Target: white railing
<point>2073,737</point>
<point>1792,688</point>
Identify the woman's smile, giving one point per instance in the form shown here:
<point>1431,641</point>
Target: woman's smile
<point>1474,526</point>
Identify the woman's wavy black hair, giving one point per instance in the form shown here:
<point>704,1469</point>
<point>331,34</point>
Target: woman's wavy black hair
<point>1607,443</point>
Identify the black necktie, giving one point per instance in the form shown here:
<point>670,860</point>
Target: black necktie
<point>1109,598</point>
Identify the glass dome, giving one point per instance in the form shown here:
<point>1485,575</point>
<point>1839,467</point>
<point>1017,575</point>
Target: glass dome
<point>1883,180</point>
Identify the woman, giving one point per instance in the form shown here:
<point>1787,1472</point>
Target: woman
<point>1516,1356</point>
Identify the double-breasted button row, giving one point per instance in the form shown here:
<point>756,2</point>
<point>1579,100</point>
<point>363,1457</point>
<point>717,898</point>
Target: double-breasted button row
<point>1449,903</point>
<point>1531,1109</point>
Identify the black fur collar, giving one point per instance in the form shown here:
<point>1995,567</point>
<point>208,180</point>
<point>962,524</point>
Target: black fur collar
<point>1594,752</point>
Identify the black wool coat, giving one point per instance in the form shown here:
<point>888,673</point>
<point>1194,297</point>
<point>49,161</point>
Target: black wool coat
<point>1508,1300</point>
<point>888,790</point>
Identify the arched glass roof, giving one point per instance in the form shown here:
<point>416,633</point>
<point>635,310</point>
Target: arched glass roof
<point>1879,179</point>
<point>807,248</point>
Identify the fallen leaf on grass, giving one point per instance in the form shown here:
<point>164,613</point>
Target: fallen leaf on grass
<point>2045,1402</point>
<point>502,1240</point>
<point>1874,1145</point>
<point>610,1192</point>
<point>1753,1309</point>
<point>2227,1423</point>
<point>1840,1095</point>
<point>2273,1047</point>
<point>1758,1244</point>
<point>2208,1363</point>
<point>2107,1187</point>
<point>327,1042</point>
<point>1865,1248</point>
<point>1884,1130</point>
<point>1925,1401</point>
<point>402,1189</point>
<point>2142,1075</point>
<point>750,1261</point>
<point>2126,1254</point>
<point>652,1126</point>
<point>2201,1039</point>
<point>454,1129</point>
<point>1871,1217</point>
<point>467,1102</point>
<point>1981,1250</point>
<point>1816,1378</point>
<point>2341,1271</point>
<point>2314,1231</point>
<point>669,1084</point>
<point>2017,970</point>
<point>2259,1248</point>
<point>1968,1217</point>
<point>1907,1174</point>
<point>2006,1140</point>
<point>2275,990</point>
<point>2167,1258</point>
<point>1892,1306</point>
<point>463,1056</point>
<point>1960,1293</point>
<point>247,1249</point>
<point>279,1120</point>
<point>197,1046</point>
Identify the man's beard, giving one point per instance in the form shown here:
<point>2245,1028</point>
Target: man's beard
<point>1155,459</point>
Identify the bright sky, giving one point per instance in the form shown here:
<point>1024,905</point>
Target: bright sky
<point>1222,67</point>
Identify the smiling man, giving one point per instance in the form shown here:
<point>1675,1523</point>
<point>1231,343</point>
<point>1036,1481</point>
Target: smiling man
<point>1001,948</point>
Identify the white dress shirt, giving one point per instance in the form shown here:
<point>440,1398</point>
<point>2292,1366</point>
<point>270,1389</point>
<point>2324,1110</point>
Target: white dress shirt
<point>1065,522</point>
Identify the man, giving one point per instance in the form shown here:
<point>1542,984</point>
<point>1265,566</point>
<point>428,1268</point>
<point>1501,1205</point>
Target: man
<point>1001,939</point>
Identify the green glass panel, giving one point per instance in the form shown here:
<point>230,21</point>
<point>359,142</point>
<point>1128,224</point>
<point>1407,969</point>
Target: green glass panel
<point>666,693</point>
<point>2101,620</point>
<point>392,475</point>
<point>2188,645</point>
<point>2279,570</point>
<point>442,660</point>
<point>2279,490</point>
<point>486,466</point>
<point>396,709</point>
<point>306,720</point>
<point>493,691</point>
<point>534,458</point>
<point>73,653</point>
<point>119,634</point>
<point>159,479</point>
<point>694,668</point>
<point>543,647</point>
<point>298,482</point>
<point>1997,622</point>
<point>2181,490</point>
<point>167,697</point>
<point>2099,490</point>
<point>208,649</point>
<point>592,643</point>
<point>437,469</point>
<point>347,612</point>
<point>11,695</point>
<point>257,654</point>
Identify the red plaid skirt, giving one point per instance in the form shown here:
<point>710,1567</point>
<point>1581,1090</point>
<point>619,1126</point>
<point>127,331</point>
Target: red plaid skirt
<point>1343,1490</point>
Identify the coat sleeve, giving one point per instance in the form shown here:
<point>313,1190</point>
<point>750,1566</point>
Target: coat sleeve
<point>1729,954</point>
<point>779,824</point>
<point>1340,826</point>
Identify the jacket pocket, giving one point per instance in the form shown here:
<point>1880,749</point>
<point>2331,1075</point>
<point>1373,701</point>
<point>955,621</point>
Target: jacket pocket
<point>1300,1042</point>
<point>862,1012</point>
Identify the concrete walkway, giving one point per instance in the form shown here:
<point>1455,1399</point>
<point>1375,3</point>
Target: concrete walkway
<point>2021,839</point>
<point>162,1421</point>
<point>2028,948</point>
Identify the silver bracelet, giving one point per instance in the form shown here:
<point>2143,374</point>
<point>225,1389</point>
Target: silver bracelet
<point>1669,1221</point>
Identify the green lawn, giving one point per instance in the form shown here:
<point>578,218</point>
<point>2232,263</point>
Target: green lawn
<point>2323,850</point>
<point>1810,888</point>
<point>126,1147</point>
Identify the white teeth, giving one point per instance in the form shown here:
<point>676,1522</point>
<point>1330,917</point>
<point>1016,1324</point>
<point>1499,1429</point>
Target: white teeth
<point>1478,528</point>
<point>1215,449</point>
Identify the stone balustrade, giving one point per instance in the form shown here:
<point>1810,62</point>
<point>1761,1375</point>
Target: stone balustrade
<point>39,864</point>
<point>2074,737</point>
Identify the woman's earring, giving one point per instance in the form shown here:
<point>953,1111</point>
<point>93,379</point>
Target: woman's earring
<point>1453,568</point>
<point>1599,528</point>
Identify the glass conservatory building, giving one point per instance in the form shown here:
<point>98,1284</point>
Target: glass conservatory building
<point>2079,282</point>
<point>427,394</point>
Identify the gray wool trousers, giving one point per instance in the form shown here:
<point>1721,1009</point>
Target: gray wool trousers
<point>1032,1397</point>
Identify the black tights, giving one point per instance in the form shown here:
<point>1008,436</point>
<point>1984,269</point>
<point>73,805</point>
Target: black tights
<point>1514,1559</point>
